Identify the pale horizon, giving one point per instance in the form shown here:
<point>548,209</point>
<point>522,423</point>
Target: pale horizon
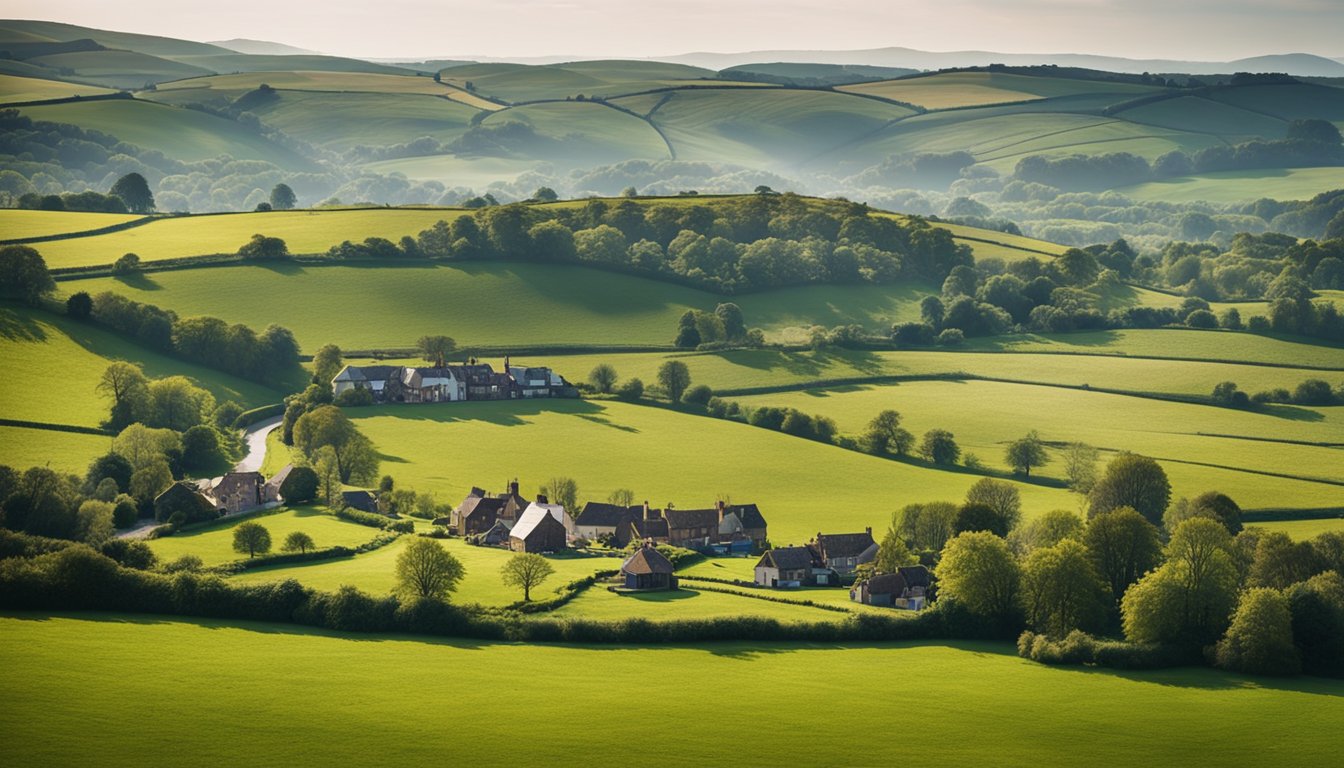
<point>1199,30</point>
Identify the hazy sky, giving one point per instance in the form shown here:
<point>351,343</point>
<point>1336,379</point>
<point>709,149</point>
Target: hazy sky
<point>1182,29</point>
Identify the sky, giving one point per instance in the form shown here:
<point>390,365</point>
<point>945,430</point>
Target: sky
<point>1203,30</point>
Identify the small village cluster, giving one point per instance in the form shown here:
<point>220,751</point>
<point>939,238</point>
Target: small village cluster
<point>229,494</point>
<point>473,380</point>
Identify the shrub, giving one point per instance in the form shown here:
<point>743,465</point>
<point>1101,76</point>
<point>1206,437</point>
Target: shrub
<point>631,390</point>
<point>951,337</point>
<point>1260,639</point>
<point>300,486</point>
<point>698,395</point>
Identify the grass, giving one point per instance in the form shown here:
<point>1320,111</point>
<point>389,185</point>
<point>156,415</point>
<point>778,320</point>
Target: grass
<point>986,416</point>
<point>17,224</point>
<point>54,364</point>
<point>374,571</point>
<point>14,89</point>
<point>663,456</point>
<point>307,80</point>
<point>1301,530</point>
<point>988,704</point>
<point>119,68</point>
<point>455,170</point>
<point>688,601</point>
<point>971,89</point>
<point>1236,186</point>
<point>1192,113</point>
<point>521,82</point>
<point>180,134</point>
<point>1190,344</point>
<point>21,448</point>
<point>340,121</point>
<point>214,545</point>
<point>582,133</point>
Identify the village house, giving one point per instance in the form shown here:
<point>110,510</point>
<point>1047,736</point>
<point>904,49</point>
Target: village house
<point>451,383</point>
<point>538,530</point>
<point>648,570</point>
<point>907,588</point>
<point>498,535</point>
<point>843,553</point>
<point>478,512</point>
<point>236,492</point>
<point>554,510</point>
<point>741,523</point>
<point>271,492</point>
<point>652,526</point>
<point>182,496</point>
<point>692,528</point>
<point>600,519</point>
<point>787,567</point>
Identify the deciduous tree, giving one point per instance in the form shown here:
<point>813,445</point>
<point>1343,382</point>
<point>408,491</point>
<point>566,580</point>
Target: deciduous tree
<point>1062,591</point>
<point>977,571</point>
<point>297,541</point>
<point>1025,453</point>
<point>251,539</point>
<point>674,377</point>
<point>602,377</point>
<point>426,570</point>
<point>526,571</point>
<point>1132,481</point>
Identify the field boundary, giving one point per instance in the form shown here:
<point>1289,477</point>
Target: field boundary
<point>57,427</point>
<point>109,229</point>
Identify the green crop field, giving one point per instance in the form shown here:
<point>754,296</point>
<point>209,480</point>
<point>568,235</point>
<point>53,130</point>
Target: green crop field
<point>22,447</point>
<point>16,223</point>
<point>1175,343</point>
<point>54,364</point>
<point>181,134</point>
<point>1236,186</point>
<point>14,90</point>
<point>1191,113</point>
<point>214,544</point>
<point>989,706</point>
<point>374,572</point>
<point>307,80</point>
<point>661,455</point>
<point>972,89</point>
<point>1202,447</point>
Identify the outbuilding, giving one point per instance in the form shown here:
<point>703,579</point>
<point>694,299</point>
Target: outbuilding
<point>648,570</point>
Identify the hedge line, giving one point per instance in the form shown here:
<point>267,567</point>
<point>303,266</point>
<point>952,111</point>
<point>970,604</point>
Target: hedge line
<point>770,598</point>
<point>248,418</point>
<point>56,427</point>
<point>567,593</point>
<point>1079,648</point>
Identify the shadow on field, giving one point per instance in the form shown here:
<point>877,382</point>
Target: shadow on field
<point>139,281</point>
<point>805,364</point>
<point>505,413</point>
<point>18,327</point>
<point>1292,413</point>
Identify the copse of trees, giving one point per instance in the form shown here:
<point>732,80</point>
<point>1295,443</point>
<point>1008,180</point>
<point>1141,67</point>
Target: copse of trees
<point>23,274</point>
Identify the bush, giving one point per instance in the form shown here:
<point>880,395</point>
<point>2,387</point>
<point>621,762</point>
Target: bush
<point>363,518</point>
<point>125,513</point>
<point>354,398</point>
<point>300,486</point>
<point>631,390</point>
<point>698,395</point>
<point>951,337</point>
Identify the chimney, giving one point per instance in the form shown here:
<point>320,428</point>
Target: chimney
<point>869,531</point>
<point>506,363</point>
<point>719,506</point>
<point>513,487</point>
<point>541,498</point>
<point>646,510</point>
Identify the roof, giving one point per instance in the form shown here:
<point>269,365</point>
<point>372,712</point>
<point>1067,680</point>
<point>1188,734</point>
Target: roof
<point>749,514</point>
<point>278,479</point>
<point>361,500</point>
<point>600,513</point>
<point>870,554</point>
<point>649,529</point>
<point>692,518</point>
<point>367,373</point>
<point>914,575</point>
<point>532,518</point>
<point>906,577</point>
<point>787,558</point>
<point>557,511</point>
<point>646,560</point>
<point>844,544</point>
<point>483,504</point>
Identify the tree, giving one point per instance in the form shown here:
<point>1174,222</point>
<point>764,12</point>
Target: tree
<point>79,306</point>
<point>93,522</point>
<point>1047,530</point>
<point>263,248</point>
<point>1080,467</point>
<point>1317,607</point>
<point>1025,453</point>
<point>327,426</point>
<point>1123,546</point>
<point>151,480</point>
<point>1190,598</point>
<point>938,447</point>
<point>621,497</point>
<point>1260,638</point>
<point>980,517</point>
<point>885,434</point>
<point>300,486</point>
<point>298,541</point>
<point>327,362</point>
<point>977,571</point>
<point>1227,395</point>
<point>602,377</point>
<point>999,496</point>
<point>1221,508</point>
<point>435,349</point>
<point>631,390</point>
<point>177,403</point>
<point>426,570</point>
<point>124,512</point>
<point>526,571</point>
<point>674,377</point>
<point>1132,481</point>
<point>134,192</point>
<point>251,538</point>
<point>931,312</point>
<point>23,274</point>
<point>328,471</point>
<point>142,446</point>
<point>1279,562</point>
<point>927,526</point>
<point>545,195</point>
<point>1062,591</point>
<point>734,324</point>
<point>892,553</point>
<point>1322,131</point>
<point>563,491</point>
<point>200,447</point>
<point>283,198</point>
<point>109,466</point>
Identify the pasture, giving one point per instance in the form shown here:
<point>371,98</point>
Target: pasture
<point>1301,530</point>
<point>340,121</point>
<point>214,543</point>
<point>580,133</point>
<point>1236,186</point>
<point>309,80</point>
<point>686,602</point>
<point>662,456</point>
<point>34,344</point>
<point>974,89</point>
<point>988,704</point>
<point>181,134</point>
<point>23,447</point>
<point>17,223</point>
<point>15,89</point>
<point>1202,447</point>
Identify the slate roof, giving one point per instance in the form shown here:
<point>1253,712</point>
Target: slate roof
<point>483,504</point>
<point>691,518</point>
<point>844,544</point>
<point>914,575</point>
<point>906,577</point>
<point>367,372</point>
<point>869,555</point>
<point>646,560</point>
<point>650,529</point>
<point>787,558</point>
<point>601,513</point>
<point>278,479</point>
<point>749,514</point>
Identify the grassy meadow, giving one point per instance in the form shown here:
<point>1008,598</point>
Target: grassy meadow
<point>17,223</point>
<point>214,543</point>
<point>974,89</point>
<point>1236,186</point>
<point>16,90</point>
<point>988,705</point>
<point>23,447</point>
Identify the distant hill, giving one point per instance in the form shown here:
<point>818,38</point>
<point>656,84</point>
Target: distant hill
<point>261,47</point>
<point>19,29</point>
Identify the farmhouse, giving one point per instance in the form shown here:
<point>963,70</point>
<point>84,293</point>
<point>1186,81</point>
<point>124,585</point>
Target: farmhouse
<point>787,567</point>
<point>651,527</point>
<point>601,519</point>
<point>478,512</point>
<point>907,588</point>
<point>183,497</point>
<point>648,570</point>
<point>843,552</point>
<point>537,530</point>
<point>554,510</point>
<point>451,383</point>
<point>498,535</point>
<point>236,492</point>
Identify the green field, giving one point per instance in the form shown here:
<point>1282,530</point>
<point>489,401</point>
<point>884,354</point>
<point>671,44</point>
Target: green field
<point>686,601</point>
<point>118,69</point>
<point>16,223</point>
<point>342,120</point>
<point>581,133</point>
<point>973,89</point>
<point>452,170</point>
<point>1301,530</point>
<point>181,134</point>
<point>21,447</point>
<point>54,364</point>
<point>1188,344</point>
<point>989,706</point>
<point>522,83</point>
<point>986,416</point>
<point>661,455</point>
<point>214,544</point>
<point>15,90</point>
<point>1236,186</point>
<point>308,80</point>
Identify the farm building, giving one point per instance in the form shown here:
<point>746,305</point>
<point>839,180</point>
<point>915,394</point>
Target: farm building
<point>906,588</point>
<point>478,512</point>
<point>272,490</point>
<point>364,501</point>
<point>843,552</point>
<point>554,510</point>
<point>647,569</point>
<point>451,383</point>
<point>787,567</point>
<point>498,535</point>
<point>185,498</point>
<point>236,492</point>
<point>651,527</point>
<point>537,530</point>
<point>601,519</point>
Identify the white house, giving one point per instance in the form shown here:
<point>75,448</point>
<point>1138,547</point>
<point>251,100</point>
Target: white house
<point>554,510</point>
